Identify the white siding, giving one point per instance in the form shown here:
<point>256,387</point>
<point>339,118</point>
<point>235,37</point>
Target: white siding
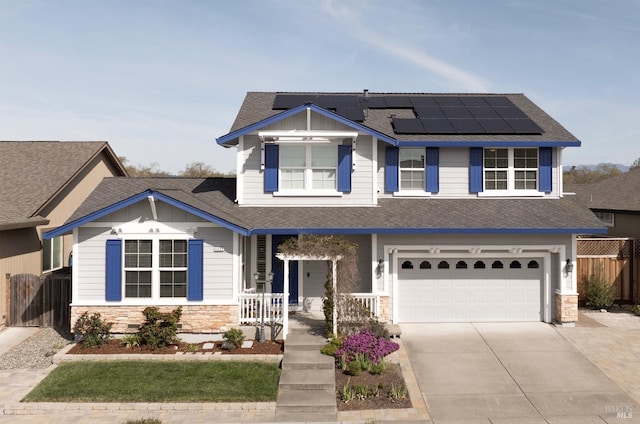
<point>252,180</point>
<point>217,267</point>
<point>218,264</point>
<point>90,263</point>
<point>142,211</point>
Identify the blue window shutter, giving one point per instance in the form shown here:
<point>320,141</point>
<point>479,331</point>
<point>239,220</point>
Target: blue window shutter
<point>545,171</point>
<point>475,169</point>
<point>271,164</point>
<point>194,273</point>
<point>432,170</point>
<point>391,169</point>
<point>113,274</point>
<point>344,168</point>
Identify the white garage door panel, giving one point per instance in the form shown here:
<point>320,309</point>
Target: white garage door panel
<point>469,295</point>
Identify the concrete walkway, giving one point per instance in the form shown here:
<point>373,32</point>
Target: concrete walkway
<point>510,373</point>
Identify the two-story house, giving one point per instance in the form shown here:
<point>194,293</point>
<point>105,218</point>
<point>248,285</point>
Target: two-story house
<point>455,202</point>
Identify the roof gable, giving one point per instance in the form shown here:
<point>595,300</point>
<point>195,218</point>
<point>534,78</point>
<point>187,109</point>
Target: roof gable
<point>34,172</point>
<point>616,193</point>
<point>232,137</point>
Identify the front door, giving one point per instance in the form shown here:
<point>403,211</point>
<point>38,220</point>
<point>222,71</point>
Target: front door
<point>278,271</point>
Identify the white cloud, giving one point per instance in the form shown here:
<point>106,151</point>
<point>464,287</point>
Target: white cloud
<point>456,78</point>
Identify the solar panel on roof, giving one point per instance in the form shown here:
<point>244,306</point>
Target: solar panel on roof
<point>456,112</point>
<point>466,126</point>
<point>510,112</point>
<point>437,126</point>
<point>333,102</point>
<point>495,126</point>
<point>408,126</point>
<point>353,113</point>
<point>524,126</point>
<point>429,112</point>
<point>498,101</point>
<point>483,112</point>
<point>473,101</point>
<point>288,101</point>
<point>423,101</point>
<point>373,102</point>
<point>448,101</point>
<point>398,102</point>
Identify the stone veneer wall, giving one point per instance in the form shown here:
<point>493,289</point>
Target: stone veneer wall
<point>384,309</point>
<point>566,307</point>
<point>195,318</point>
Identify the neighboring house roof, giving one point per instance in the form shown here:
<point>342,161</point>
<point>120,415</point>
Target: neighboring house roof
<point>619,193</point>
<point>382,113</point>
<point>34,172</point>
<point>213,199</point>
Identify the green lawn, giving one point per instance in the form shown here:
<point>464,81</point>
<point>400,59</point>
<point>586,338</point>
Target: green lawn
<point>159,381</point>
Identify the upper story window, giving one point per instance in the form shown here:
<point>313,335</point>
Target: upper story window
<point>412,169</point>
<point>511,169</point>
<point>308,167</point>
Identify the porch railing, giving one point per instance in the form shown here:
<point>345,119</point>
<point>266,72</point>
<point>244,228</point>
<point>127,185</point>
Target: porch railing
<point>251,308</point>
<point>369,302</point>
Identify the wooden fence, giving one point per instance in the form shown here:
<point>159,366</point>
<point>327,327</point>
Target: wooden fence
<point>36,301</point>
<point>618,258</point>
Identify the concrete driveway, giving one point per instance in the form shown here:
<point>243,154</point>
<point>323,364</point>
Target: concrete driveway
<point>510,373</point>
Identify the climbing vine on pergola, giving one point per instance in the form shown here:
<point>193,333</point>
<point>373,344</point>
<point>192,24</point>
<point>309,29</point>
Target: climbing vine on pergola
<point>333,249</point>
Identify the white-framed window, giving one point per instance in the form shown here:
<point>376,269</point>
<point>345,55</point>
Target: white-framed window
<point>607,218</point>
<point>308,167</point>
<point>412,169</point>
<point>511,169</point>
<point>52,254</point>
<point>155,268</point>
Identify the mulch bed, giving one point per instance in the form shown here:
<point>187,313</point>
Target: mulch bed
<point>392,375</point>
<point>115,346</point>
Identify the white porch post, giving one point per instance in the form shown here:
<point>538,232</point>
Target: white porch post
<point>285,300</point>
<point>335,296</point>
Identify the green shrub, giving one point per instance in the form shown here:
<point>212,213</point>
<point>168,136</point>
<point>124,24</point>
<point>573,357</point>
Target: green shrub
<point>636,309</point>
<point>234,336</point>
<point>92,330</point>
<point>378,368</point>
<point>362,391</point>
<point>159,329</point>
<point>599,293</point>
<point>397,393</point>
<point>331,347</point>
<point>130,340</point>
<point>144,421</point>
<point>353,368</point>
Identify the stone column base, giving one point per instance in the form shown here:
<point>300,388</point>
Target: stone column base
<point>566,307</point>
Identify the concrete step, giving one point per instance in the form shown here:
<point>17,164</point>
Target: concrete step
<point>307,360</point>
<point>309,417</point>
<point>309,379</point>
<point>305,342</point>
<point>305,401</point>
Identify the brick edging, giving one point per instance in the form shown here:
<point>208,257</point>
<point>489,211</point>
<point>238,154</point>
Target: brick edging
<point>64,356</point>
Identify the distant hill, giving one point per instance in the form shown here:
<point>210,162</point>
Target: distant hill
<point>623,168</point>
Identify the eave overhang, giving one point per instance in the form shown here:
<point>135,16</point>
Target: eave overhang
<point>66,228</point>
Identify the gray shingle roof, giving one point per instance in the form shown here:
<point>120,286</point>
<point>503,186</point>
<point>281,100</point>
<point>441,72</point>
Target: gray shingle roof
<point>258,106</point>
<point>32,172</point>
<point>621,192</point>
<point>215,196</point>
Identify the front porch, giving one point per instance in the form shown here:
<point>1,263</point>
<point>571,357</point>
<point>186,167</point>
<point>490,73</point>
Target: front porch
<point>278,318</point>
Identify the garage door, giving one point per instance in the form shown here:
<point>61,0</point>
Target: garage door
<point>469,290</point>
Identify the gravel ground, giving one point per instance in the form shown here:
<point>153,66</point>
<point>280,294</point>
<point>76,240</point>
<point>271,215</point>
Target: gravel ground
<point>35,352</point>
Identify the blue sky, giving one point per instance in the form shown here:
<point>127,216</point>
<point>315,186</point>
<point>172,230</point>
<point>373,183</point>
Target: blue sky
<point>160,80</point>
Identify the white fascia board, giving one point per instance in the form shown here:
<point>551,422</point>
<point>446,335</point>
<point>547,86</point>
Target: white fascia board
<point>306,135</point>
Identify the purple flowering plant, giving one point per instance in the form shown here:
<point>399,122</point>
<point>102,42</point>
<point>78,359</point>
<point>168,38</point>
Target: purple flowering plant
<point>367,344</point>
